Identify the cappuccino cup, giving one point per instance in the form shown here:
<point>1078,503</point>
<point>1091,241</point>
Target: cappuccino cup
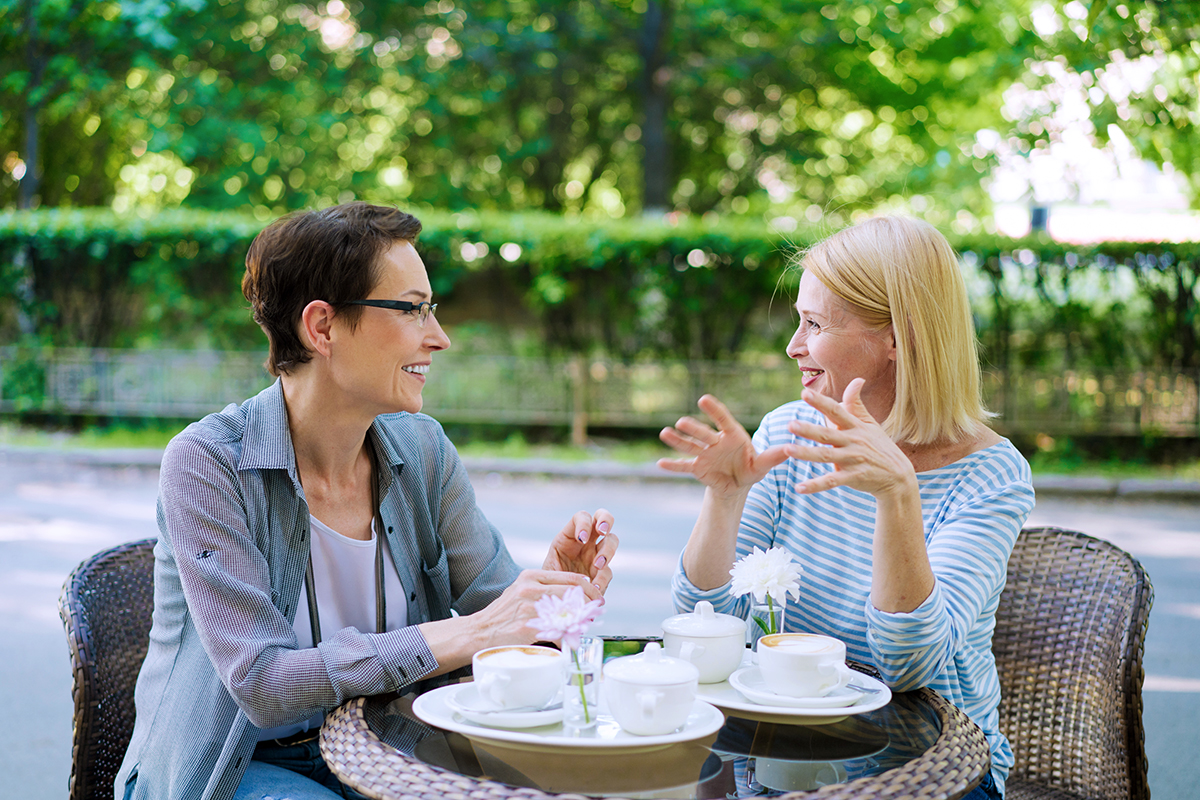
<point>803,664</point>
<point>518,676</point>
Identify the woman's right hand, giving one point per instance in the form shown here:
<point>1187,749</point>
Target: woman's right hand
<point>506,619</point>
<point>724,459</point>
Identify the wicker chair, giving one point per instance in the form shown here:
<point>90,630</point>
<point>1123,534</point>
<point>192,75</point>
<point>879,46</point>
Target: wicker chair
<point>105,607</point>
<point>1070,634</point>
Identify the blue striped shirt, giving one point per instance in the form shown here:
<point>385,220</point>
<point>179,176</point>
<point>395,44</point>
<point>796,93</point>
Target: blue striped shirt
<point>973,510</point>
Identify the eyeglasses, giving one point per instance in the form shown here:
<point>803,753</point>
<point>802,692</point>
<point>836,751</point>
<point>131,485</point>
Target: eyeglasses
<point>424,310</point>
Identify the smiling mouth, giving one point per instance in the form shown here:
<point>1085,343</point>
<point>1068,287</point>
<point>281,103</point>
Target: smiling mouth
<point>810,372</point>
<point>417,369</point>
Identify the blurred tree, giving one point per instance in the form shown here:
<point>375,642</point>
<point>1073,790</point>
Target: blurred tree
<point>605,107</point>
<point>63,62</point>
<point>1137,68</point>
<point>621,105</point>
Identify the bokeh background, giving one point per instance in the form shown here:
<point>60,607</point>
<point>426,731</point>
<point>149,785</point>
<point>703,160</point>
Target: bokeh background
<point>613,193</point>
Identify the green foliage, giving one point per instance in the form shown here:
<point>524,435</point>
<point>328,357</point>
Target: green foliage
<point>173,280</point>
<point>695,288</point>
<point>1133,66</point>
<point>103,280</point>
<point>798,107</point>
<point>1115,305</point>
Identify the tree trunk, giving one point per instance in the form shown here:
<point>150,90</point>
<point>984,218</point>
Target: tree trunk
<point>31,181</point>
<point>656,148</point>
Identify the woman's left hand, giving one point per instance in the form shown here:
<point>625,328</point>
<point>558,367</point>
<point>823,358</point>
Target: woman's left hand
<point>864,457</point>
<point>586,546</point>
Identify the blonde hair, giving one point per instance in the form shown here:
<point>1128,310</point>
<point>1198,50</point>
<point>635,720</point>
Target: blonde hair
<point>902,272</point>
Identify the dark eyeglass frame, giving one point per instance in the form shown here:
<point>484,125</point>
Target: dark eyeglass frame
<point>424,309</point>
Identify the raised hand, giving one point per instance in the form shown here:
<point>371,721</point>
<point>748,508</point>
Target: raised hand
<point>723,459</point>
<point>864,457</point>
<point>585,546</point>
<point>506,619</point>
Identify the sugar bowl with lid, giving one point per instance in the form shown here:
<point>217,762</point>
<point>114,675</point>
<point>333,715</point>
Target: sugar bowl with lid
<point>714,642</point>
<point>650,694</point>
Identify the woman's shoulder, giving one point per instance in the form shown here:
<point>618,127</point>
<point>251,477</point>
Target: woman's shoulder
<point>998,468</point>
<point>775,423</point>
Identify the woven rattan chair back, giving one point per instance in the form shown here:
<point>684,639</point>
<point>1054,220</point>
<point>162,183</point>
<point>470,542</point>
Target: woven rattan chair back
<point>105,607</point>
<point>1070,634</point>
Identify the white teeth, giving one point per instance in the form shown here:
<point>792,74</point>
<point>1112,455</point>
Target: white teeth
<point>809,371</point>
<point>417,369</point>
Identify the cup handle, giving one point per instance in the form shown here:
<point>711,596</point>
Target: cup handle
<point>648,701</point>
<point>491,686</point>
<point>690,651</point>
<point>844,675</point>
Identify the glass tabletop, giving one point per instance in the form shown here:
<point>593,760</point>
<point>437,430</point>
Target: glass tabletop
<point>743,759</point>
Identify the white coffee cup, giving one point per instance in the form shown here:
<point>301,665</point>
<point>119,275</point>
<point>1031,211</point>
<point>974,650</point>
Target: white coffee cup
<point>518,676</point>
<point>803,664</point>
<point>714,642</point>
<point>650,694</point>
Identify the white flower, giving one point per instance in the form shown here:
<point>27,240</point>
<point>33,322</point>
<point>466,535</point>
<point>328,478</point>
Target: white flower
<point>770,574</point>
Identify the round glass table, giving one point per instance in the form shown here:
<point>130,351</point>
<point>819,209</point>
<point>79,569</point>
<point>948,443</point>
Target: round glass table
<point>918,745</point>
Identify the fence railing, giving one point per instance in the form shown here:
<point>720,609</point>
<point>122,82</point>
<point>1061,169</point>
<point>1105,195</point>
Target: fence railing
<point>574,392</point>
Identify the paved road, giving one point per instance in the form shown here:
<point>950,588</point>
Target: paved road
<point>52,516</point>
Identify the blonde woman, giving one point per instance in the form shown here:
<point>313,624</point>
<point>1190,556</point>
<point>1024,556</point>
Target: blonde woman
<point>883,480</point>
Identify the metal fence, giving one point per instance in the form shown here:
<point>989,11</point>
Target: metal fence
<point>573,392</point>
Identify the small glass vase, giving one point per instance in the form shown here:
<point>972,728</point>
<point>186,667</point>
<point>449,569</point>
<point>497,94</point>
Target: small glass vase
<point>764,618</point>
<point>581,695</point>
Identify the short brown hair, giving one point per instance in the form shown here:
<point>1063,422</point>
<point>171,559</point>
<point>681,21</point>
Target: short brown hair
<point>331,255</point>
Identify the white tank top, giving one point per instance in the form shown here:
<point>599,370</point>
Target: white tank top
<point>344,574</point>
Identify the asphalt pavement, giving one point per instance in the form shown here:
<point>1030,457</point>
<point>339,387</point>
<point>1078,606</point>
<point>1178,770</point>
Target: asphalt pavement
<point>59,507</point>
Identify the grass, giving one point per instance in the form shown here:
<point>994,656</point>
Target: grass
<point>152,435</point>
<point>1053,461</point>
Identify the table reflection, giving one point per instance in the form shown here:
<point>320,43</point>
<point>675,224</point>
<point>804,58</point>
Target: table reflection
<point>744,759</point>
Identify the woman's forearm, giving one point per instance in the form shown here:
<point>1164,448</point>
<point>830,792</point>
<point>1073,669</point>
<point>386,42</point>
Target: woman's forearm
<point>712,547</point>
<point>452,641</point>
<point>902,577</point>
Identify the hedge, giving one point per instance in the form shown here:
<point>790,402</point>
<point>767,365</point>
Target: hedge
<point>693,288</point>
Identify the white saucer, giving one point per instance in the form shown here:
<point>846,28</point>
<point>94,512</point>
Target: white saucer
<point>606,738</point>
<point>467,703</point>
<point>725,697</point>
<point>749,681</point>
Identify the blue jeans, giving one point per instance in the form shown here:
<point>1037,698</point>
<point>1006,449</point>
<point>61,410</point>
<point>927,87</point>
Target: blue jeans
<point>986,790</point>
<point>294,772</point>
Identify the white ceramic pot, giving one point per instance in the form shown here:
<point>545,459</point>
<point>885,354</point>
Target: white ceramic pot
<point>651,693</point>
<point>714,642</point>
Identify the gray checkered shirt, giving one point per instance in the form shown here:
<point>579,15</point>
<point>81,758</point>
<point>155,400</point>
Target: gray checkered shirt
<point>229,567</point>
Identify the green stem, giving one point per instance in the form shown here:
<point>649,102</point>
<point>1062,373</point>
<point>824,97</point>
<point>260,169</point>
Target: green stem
<point>771,614</point>
<point>587,717</point>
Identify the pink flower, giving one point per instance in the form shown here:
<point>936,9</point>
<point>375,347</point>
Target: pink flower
<point>565,618</point>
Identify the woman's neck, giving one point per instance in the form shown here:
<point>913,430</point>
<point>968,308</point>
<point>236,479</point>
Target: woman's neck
<point>329,441</point>
<point>925,457</point>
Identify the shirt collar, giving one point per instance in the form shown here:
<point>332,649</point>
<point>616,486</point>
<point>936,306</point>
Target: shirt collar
<point>267,443</point>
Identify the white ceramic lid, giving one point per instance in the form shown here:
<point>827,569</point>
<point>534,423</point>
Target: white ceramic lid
<point>651,667</point>
<point>704,622</point>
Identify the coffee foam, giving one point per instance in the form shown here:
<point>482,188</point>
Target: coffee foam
<point>517,657</point>
<point>800,644</point>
